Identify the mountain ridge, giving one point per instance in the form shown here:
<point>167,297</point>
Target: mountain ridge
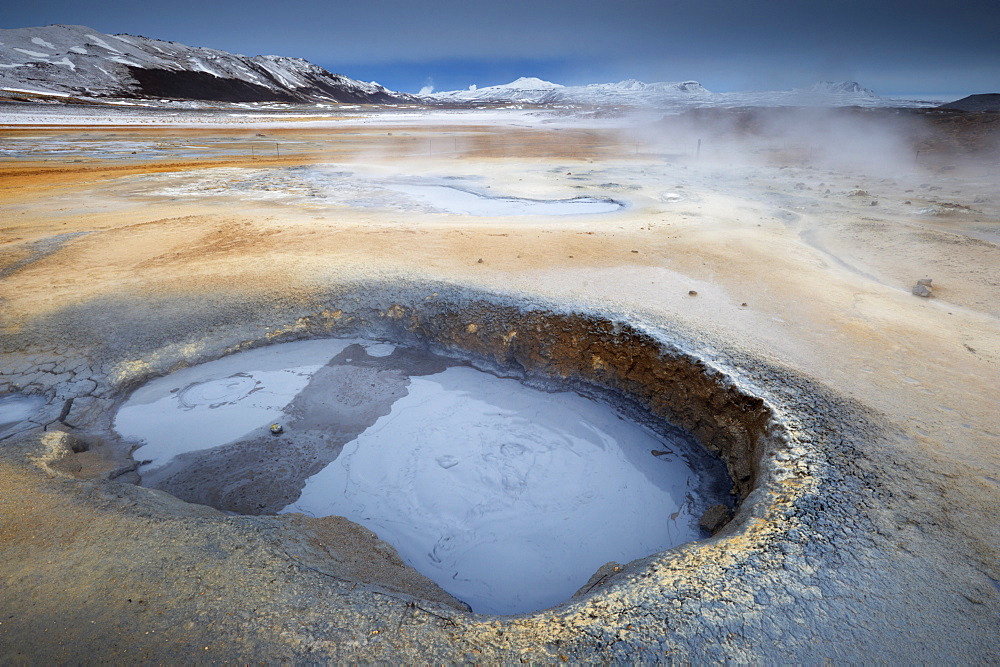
<point>68,60</point>
<point>662,94</point>
<point>532,90</point>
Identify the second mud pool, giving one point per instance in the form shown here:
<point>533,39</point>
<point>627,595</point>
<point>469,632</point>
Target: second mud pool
<point>507,496</point>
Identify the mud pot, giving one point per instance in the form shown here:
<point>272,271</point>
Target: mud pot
<point>485,485</point>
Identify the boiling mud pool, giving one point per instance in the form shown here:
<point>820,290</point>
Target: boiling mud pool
<point>508,497</point>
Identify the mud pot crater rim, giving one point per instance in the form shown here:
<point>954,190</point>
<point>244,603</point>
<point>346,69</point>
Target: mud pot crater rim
<point>621,362</point>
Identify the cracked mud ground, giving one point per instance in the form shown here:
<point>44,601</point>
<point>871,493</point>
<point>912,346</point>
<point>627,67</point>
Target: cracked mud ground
<point>877,540</point>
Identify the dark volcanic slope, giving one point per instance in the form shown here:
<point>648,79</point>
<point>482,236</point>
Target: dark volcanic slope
<point>985,102</point>
<point>202,86</point>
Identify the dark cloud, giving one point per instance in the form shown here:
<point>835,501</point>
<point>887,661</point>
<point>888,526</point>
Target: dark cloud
<point>892,46</point>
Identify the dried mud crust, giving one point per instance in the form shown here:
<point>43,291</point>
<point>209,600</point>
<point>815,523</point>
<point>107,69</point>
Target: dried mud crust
<point>804,568</point>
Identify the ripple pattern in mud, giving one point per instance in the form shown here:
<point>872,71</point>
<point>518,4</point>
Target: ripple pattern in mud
<point>214,393</point>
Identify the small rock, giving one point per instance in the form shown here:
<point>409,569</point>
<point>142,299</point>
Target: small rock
<point>925,281</point>
<point>601,577</point>
<point>922,290</point>
<point>714,518</point>
<point>874,202</point>
<point>743,305</point>
<point>692,293</point>
<point>480,261</point>
<point>276,429</point>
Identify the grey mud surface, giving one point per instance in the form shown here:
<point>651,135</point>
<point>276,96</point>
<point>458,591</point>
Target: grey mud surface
<point>264,473</point>
<point>839,551</point>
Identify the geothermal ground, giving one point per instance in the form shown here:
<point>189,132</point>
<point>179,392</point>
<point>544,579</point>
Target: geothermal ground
<point>744,276</point>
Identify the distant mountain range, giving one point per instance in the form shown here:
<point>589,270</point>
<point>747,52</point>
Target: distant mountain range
<point>76,61</point>
<point>529,90</point>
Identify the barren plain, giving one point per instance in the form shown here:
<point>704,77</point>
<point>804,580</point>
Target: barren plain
<point>776,249</point>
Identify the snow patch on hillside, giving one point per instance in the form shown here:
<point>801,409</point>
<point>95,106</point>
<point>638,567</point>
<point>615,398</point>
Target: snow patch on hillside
<point>90,64</point>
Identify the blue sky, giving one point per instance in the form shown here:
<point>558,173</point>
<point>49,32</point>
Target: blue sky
<point>891,46</point>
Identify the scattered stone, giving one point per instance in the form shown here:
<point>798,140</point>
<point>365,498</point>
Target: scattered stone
<point>480,261</point>
<point>944,208</point>
<point>874,202</point>
<point>636,251</point>
<point>923,288</point>
<point>714,518</point>
<point>692,293</point>
<point>859,193</point>
<point>743,305</point>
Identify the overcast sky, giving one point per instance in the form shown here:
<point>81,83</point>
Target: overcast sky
<point>891,46</point>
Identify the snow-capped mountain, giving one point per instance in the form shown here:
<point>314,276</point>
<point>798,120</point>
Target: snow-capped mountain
<point>69,60</point>
<point>527,89</point>
<point>663,95</point>
<point>531,90</point>
<point>841,88</point>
